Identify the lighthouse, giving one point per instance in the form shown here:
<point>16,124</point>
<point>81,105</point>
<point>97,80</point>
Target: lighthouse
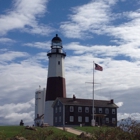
<point>56,86</point>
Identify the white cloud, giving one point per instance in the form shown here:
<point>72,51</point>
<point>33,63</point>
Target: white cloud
<point>40,45</point>
<point>24,15</point>
<point>119,104</point>
<point>13,113</point>
<point>91,17</point>
<point>6,40</point>
<point>134,116</point>
<point>12,55</point>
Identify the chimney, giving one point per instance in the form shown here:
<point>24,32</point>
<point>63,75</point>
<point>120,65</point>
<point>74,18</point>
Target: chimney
<point>112,101</point>
<point>74,98</point>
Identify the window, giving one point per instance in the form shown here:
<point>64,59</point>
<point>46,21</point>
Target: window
<point>56,110</point>
<point>113,120</point>
<point>86,119</point>
<point>94,110</point>
<point>59,118</point>
<point>87,109</point>
<point>58,62</point>
<point>55,119</point>
<point>59,108</point>
<point>79,118</point>
<point>107,120</point>
<point>100,110</point>
<point>79,109</point>
<point>71,118</point>
<point>113,111</point>
<point>107,111</point>
<point>71,108</point>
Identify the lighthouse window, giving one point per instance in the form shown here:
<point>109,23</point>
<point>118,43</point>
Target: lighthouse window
<point>58,62</point>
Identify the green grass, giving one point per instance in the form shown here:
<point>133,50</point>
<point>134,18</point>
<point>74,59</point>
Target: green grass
<point>9,131</point>
<point>41,133</point>
<point>91,129</point>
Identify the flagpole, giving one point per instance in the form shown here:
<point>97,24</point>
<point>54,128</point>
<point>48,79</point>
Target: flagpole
<point>93,121</point>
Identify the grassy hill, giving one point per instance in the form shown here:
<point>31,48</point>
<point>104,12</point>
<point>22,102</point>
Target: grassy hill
<point>47,133</point>
<point>126,131</point>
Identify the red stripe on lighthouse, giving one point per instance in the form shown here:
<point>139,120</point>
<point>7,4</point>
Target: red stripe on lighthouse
<point>56,87</point>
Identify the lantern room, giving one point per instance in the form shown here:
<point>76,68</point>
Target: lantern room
<point>56,42</point>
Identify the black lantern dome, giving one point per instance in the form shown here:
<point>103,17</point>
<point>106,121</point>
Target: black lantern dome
<point>56,42</point>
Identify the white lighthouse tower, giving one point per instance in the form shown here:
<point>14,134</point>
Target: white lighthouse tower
<point>56,86</point>
<point>39,106</point>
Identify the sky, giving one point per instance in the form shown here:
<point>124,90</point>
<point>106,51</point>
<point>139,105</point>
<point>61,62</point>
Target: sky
<point>104,31</point>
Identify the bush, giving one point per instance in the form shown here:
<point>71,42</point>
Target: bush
<point>127,130</point>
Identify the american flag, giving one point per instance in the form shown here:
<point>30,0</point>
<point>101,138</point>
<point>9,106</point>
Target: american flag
<point>98,67</point>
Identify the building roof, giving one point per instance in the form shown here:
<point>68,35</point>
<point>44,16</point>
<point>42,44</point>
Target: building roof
<point>87,102</point>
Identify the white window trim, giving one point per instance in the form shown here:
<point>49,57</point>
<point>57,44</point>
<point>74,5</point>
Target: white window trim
<point>79,118</point>
<point>113,120</point>
<point>100,110</point>
<point>107,120</point>
<point>79,109</point>
<point>71,118</point>
<point>86,119</point>
<point>86,109</point>
<point>106,110</point>
<point>113,111</point>
<point>71,108</point>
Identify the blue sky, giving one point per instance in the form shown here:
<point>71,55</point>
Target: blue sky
<point>104,31</point>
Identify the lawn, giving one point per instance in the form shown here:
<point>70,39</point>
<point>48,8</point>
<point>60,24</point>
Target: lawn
<point>9,131</point>
<point>91,129</point>
<point>41,133</point>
